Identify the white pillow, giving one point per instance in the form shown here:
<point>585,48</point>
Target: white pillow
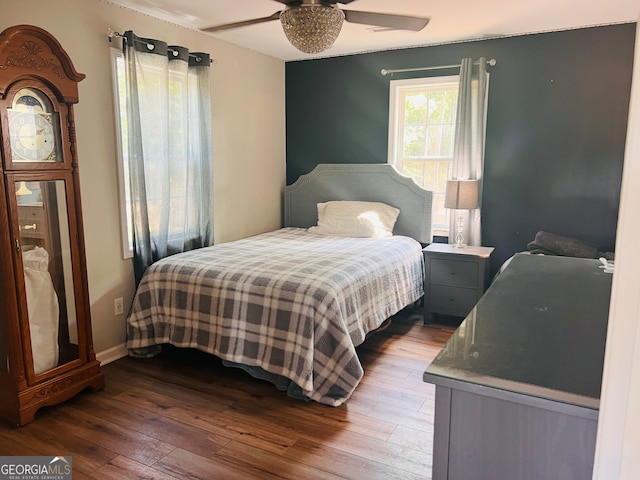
<point>355,219</point>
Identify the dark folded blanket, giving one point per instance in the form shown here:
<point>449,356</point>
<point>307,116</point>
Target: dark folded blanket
<point>552,244</point>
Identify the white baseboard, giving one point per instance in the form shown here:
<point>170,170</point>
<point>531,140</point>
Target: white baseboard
<point>112,354</point>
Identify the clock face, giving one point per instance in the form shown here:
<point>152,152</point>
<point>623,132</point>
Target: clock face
<point>33,127</point>
<point>32,136</point>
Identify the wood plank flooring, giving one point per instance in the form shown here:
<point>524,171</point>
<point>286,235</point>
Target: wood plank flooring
<point>183,415</point>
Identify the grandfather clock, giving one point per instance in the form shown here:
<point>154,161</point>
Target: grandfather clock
<point>46,348</point>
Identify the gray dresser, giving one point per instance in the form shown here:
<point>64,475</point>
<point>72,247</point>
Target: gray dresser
<point>518,383</point>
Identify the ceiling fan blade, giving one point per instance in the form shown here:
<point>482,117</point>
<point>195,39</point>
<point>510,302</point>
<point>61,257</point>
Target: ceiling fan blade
<point>387,20</point>
<point>228,26</point>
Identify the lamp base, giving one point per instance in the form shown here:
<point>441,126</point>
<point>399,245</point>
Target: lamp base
<point>459,231</point>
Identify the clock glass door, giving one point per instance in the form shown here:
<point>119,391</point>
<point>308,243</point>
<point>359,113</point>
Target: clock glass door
<point>34,128</point>
<point>46,252</point>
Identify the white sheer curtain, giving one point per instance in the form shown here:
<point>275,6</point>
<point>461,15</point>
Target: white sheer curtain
<point>468,150</point>
<point>169,149</point>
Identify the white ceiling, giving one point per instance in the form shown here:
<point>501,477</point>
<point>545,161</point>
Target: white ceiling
<point>451,21</point>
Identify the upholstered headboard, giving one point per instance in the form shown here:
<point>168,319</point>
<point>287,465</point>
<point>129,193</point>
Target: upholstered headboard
<point>378,182</point>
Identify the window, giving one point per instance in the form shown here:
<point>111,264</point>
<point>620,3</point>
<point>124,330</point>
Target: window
<point>120,105</point>
<point>422,119</point>
<point>163,111</point>
<point>178,226</point>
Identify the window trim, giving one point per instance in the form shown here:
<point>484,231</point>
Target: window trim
<point>126,231</point>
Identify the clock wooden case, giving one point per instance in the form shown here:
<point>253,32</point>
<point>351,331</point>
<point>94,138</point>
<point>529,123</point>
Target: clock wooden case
<point>46,346</point>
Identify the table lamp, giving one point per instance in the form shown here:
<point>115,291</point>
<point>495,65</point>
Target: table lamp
<point>461,195</point>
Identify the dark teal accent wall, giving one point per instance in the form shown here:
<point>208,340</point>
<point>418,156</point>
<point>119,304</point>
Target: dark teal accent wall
<point>556,126</point>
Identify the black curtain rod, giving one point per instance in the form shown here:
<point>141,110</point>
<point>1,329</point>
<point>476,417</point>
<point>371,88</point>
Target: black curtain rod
<point>111,34</point>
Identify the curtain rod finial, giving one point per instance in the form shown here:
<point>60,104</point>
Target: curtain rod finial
<point>112,33</point>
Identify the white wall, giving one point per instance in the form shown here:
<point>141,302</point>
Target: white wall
<point>618,441</point>
<point>247,92</point>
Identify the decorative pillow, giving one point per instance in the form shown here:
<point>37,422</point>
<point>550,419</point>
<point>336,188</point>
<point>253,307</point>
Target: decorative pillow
<point>346,218</point>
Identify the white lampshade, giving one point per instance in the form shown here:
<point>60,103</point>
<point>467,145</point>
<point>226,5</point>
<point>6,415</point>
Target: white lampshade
<point>461,194</point>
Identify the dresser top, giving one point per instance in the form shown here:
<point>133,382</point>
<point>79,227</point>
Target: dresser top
<point>540,330</point>
<point>473,251</point>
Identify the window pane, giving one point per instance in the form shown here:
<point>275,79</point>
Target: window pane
<point>414,141</point>
<point>434,141</point>
<point>447,133</point>
<point>444,173</point>
<point>442,106</point>
<point>440,214</point>
<point>432,175</point>
<point>431,171</point>
<point>415,108</point>
<point>437,107</point>
<point>414,170</point>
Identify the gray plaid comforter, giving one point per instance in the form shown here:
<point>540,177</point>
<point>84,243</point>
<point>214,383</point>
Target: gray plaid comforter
<point>292,303</point>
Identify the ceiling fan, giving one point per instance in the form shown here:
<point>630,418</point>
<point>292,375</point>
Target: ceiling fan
<point>314,25</point>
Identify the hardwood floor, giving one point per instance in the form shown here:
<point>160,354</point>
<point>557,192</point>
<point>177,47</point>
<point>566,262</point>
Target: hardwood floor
<point>183,415</point>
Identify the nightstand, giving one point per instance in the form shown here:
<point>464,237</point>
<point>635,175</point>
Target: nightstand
<point>454,279</point>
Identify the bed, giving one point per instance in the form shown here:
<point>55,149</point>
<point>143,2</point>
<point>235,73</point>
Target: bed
<point>291,306</point>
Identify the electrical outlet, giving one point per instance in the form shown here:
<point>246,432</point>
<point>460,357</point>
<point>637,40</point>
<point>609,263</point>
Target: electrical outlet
<point>118,306</point>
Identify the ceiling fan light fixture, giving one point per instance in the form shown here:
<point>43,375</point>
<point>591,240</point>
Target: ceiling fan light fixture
<point>312,28</point>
